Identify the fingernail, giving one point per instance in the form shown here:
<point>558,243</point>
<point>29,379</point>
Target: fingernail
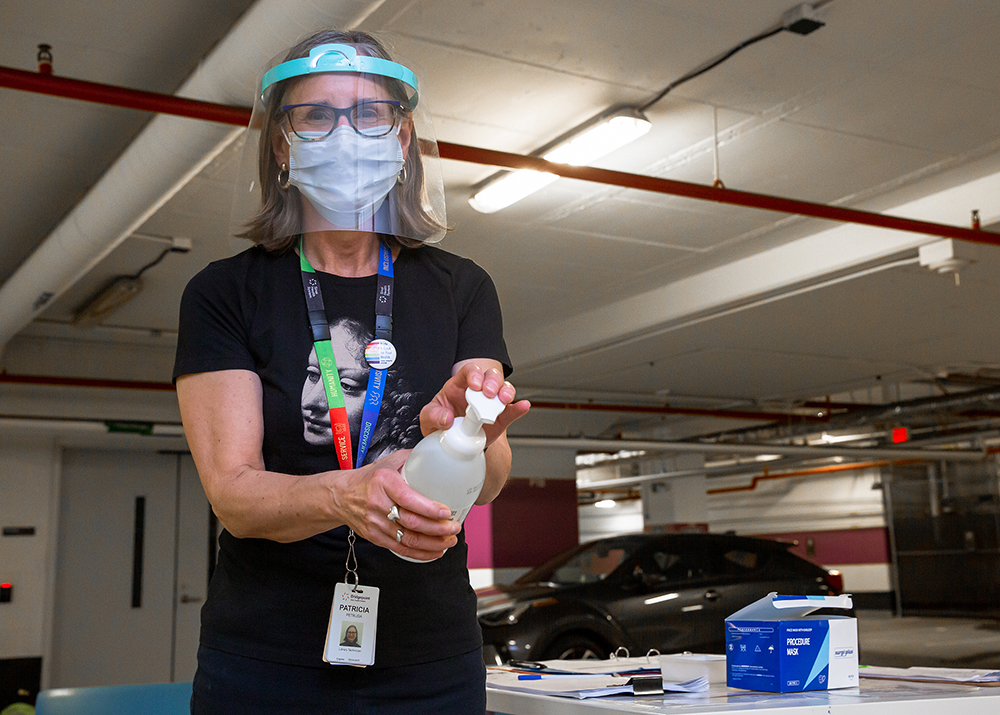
<point>444,513</point>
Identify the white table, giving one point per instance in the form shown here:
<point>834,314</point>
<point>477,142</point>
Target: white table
<point>874,697</point>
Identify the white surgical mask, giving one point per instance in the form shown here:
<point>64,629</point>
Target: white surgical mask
<point>346,176</point>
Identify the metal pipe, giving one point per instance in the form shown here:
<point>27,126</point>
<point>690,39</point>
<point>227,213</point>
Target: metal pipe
<point>890,522</point>
<point>732,197</point>
<point>228,114</point>
<point>85,382</point>
<point>615,445</point>
<point>893,413</point>
<point>757,479</point>
<point>667,410</point>
<point>122,97</point>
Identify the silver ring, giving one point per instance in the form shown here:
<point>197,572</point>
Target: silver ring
<point>393,513</point>
<point>399,536</point>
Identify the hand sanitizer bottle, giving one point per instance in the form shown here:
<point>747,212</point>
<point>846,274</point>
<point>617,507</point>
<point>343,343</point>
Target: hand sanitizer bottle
<point>449,466</point>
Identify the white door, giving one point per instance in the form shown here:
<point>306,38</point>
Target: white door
<point>131,569</point>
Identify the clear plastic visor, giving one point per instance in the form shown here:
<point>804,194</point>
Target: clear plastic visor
<point>339,151</point>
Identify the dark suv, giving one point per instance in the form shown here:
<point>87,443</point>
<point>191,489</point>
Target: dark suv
<point>668,592</point>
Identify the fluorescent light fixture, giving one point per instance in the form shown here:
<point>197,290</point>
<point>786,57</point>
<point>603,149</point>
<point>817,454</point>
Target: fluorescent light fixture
<point>600,139</point>
<point>605,504</point>
<point>509,189</point>
<point>116,293</point>
<point>590,141</point>
<point>836,438</point>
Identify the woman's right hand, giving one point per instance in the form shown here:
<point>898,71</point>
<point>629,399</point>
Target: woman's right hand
<point>363,497</point>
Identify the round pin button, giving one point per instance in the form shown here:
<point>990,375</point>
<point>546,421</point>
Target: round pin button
<point>380,354</point>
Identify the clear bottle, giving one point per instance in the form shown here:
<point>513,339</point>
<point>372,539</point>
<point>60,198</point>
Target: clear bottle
<point>449,466</point>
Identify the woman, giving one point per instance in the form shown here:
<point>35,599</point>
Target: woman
<point>345,209</point>
<point>351,637</point>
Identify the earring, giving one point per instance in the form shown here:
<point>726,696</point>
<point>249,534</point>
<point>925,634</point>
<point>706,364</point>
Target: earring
<point>283,176</point>
<point>401,176</point>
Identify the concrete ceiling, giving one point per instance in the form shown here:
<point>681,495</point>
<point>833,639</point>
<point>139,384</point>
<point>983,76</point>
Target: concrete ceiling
<point>610,294</point>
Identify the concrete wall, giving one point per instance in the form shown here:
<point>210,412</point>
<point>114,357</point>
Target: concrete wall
<point>29,483</point>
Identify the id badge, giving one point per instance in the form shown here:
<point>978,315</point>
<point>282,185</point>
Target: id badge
<point>350,637</point>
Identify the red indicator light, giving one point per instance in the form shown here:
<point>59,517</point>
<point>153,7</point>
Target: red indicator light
<point>900,434</point>
<point>5,585</point>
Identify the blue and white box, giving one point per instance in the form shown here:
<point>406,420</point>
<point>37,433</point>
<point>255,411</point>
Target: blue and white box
<point>775,645</point>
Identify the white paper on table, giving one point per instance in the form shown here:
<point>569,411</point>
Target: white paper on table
<point>581,686</point>
<point>953,675</point>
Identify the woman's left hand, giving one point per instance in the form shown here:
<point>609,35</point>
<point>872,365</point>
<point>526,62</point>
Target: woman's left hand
<point>480,374</point>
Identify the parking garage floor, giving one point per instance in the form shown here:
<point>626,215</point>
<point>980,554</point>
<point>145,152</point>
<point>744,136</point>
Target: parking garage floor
<point>884,639</point>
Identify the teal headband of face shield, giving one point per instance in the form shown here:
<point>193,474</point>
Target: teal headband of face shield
<point>340,58</point>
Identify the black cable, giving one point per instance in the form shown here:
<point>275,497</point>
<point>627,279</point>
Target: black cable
<point>150,265</point>
<point>715,62</point>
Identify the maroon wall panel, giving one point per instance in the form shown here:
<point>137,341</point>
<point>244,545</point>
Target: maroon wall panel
<point>533,520</point>
<point>846,546</point>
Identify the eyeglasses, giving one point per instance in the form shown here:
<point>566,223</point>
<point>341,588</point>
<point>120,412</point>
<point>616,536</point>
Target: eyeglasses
<point>371,118</point>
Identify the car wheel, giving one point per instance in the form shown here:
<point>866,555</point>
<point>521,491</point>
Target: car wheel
<point>576,647</point>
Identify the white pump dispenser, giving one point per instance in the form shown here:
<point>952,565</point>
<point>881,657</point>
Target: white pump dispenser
<point>449,466</point>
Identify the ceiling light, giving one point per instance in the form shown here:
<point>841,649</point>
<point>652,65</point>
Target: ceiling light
<point>116,293</point>
<point>605,504</point>
<point>509,189</point>
<point>835,438</point>
<point>590,141</point>
<point>600,139</point>
<point>121,289</point>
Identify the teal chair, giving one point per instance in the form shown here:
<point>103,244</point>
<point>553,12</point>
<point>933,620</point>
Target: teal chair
<point>156,699</point>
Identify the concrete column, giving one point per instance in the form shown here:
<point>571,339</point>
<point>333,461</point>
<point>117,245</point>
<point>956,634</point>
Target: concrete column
<point>679,503</point>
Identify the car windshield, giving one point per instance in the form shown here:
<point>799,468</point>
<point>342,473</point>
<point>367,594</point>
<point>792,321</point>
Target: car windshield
<point>589,564</point>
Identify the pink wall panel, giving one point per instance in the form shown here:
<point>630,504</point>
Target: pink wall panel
<point>479,536</point>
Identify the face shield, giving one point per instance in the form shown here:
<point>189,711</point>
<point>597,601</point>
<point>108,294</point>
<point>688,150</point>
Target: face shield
<point>336,143</point>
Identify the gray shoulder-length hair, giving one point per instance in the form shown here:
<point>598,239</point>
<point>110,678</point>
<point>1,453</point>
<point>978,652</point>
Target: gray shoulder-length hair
<point>278,222</point>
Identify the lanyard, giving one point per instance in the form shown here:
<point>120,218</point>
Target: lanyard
<point>379,353</point>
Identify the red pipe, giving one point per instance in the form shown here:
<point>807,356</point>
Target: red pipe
<point>169,387</point>
<point>169,104</point>
<point>122,97</point>
<point>710,193</point>
<point>85,382</point>
<point>691,411</point>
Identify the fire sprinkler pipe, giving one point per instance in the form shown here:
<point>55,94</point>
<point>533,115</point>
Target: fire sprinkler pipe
<point>650,445</point>
<point>228,114</point>
<point>689,411</point>
<point>122,97</point>
<point>608,484</point>
<point>53,381</point>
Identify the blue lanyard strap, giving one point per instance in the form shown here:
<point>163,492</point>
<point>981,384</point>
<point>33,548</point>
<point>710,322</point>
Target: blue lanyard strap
<point>383,331</point>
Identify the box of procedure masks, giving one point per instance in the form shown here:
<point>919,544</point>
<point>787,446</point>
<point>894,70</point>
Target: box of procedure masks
<point>775,645</point>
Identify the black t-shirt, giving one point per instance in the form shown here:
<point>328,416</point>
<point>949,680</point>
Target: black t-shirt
<point>272,601</point>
